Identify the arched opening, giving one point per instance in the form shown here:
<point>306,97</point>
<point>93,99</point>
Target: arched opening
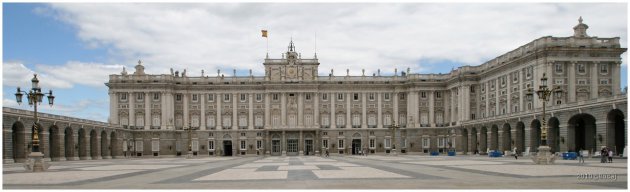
<point>113,145</point>
<point>520,137</point>
<point>553,135</point>
<point>227,145</point>
<point>93,144</point>
<point>507,137</point>
<point>534,135</point>
<point>581,133</point>
<point>464,141</point>
<point>616,131</point>
<point>18,142</point>
<point>104,144</point>
<point>53,143</point>
<point>474,142</point>
<point>82,144</point>
<point>68,143</point>
<point>483,140</point>
<point>356,143</point>
<point>275,145</point>
<point>494,139</point>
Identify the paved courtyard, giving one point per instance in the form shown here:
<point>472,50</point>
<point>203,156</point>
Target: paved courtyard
<point>313,172</point>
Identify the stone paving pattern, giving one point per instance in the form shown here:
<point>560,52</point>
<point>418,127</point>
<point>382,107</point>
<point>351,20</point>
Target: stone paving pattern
<point>313,172</point>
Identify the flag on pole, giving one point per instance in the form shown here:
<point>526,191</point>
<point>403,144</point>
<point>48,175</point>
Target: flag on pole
<point>264,33</point>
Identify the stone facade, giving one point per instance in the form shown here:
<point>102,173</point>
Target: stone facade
<point>293,111</point>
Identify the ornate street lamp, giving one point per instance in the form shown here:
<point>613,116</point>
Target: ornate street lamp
<point>34,97</point>
<point>393,127</point>
<point>544,155</point>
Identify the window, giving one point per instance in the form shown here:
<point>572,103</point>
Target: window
<point>603,81</point>
<point>156,96</point>
<point>156,120</point>
<point>259,121</point>
<point>559,68</point>
<point>325,96</point>
<point>581,82</point>
<point>226,97</point>
<point>371,96</point>
<point>194,98</point>
<point>372,120</point>
<point>123,96</point>
<point>559,81</point>
<point>325,121</point>
<point>401,96</point>
<point>210,145</point>
<point>210,121</point>
<point>194,120</point>
<point>325,143</point>
<point>388,120</point>
<point>242,121</point>
<point>438,94</point>
<point>356,120</point>
<point>355,96</point>
<point>386,96</point>
<point>308,120</point>
<point>308,96</point>
<point>242,97</point>
<point>423,94</point>
<point>178,97</point>
<point>139,96</point>
<point>372,143</point>
<point>472,89</point>
<point>483,88</point>
<point>243,145</point>
<point>340,120</point>
<point>387,143</point>
<point>581,68</point>
<point>603,68</point>
<point>340,144</point>
<point>258,97</point>
<point>275,96</point>
<point>340,96</point>
<point>210,97</point>
<point>426,142</point>
<point>259,144</point>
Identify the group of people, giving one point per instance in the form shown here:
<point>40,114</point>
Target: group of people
<point>607,155</point>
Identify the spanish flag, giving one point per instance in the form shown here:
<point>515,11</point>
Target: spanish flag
<point>264,33</point>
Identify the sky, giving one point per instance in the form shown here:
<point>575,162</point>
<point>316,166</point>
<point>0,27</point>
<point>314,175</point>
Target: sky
<point>75,47</point>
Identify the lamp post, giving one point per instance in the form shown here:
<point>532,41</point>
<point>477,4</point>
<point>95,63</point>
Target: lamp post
<point>393,127</point>
<point>190,153</point>
<point>544,156</point>
<point>35,96</point>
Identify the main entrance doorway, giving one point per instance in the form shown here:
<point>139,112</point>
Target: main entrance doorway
<point>227,148</point>
<point>308,147</point>
<point>292,147</point>
<point>356,146</point>
<point>275,147</point>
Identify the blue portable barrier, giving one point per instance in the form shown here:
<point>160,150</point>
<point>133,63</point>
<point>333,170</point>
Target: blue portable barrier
<point>494,154</point>
<point>569,156</point>
<point>434,153</point>
<point>451,153</point>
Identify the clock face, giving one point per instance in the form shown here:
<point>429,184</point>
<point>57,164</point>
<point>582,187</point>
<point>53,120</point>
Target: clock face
<point>291,72</point>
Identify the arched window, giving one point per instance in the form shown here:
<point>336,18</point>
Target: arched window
<point>156,120</point>
<point>210,122</point>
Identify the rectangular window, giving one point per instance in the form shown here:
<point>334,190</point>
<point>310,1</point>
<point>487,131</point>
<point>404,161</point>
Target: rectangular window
<point>425,142</point>
<point>210,145</point>
<point>259,144</point>
<point>581,68</point>
<point>371,96</point>
<point>139,96</point>
<point>340,96</point>
<point>258,97</point>
<point>226,97</point>
<point>325,143</point>
<point>388,143</point>
<point>423,94</point>
<point>472,89</point>
<point>194,98</point>
<point>243,145</point>
<point>371,143</point>
<point>242,97</point>
<point>123,96</point>
<point>438,95</point>
<point>386,96</point>
<point>325,96</point>
<point>178,97</point>
<point>603,68</point>
<point>559,68</point>
<point>340,143</point>
<point>275,96</point>
<point>401,96</point>
<point>156,96</point>
<point>210,97</point>
<point>581,82</point>
<point>603,81</point>
<point>355,96</point>
<point>308,96</point>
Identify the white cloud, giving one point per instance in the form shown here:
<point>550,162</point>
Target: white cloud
<point>58,76</point>
<point>355,36</point>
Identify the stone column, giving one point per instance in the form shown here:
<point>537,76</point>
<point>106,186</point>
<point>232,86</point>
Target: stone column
<point>147,110</point>
<point>316,110</point>
<point>235,112</point>
<point>163,111</point>
<point>594,74</point>
<point>571,82</point>
<point>497,95</point>
<point>219,99</point>
<point>431,108</point>
<point>453,106</point>
<point>283,109</point>
<point>250,124</point>
<point>615,74</point>
<point>521,94</point>
<point>171,110</point>
<point>509,95</point>
<point>132,112</point>
<point>113,108</point>
<point>395,112</point>
<point>349,99</point>
<point>487,88</point>
<point>300,118</point>
<point>202,120</point>
<point>363,110</point>
<point>283,143</point>
<point>379,111</point>
<point>301,145</point>
<point>333,122</point>
<point>267,111</point>
<point>186,97</point>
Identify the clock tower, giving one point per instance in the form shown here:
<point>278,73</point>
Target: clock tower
<point>291,67</point>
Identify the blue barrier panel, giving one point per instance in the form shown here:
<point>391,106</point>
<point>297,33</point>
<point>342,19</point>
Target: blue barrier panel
<point>434,153</point>
<point>494,154</point>
<point>451,153</point>
<point>569,156</point>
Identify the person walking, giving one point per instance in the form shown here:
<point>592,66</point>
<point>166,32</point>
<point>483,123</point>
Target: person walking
<point>515,153</point>
<point>610,156</point>
<point>603,154</point>
<point>327,153</point>
<point>580,156</point>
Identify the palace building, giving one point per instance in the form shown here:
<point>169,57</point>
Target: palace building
<point>292,110</point>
